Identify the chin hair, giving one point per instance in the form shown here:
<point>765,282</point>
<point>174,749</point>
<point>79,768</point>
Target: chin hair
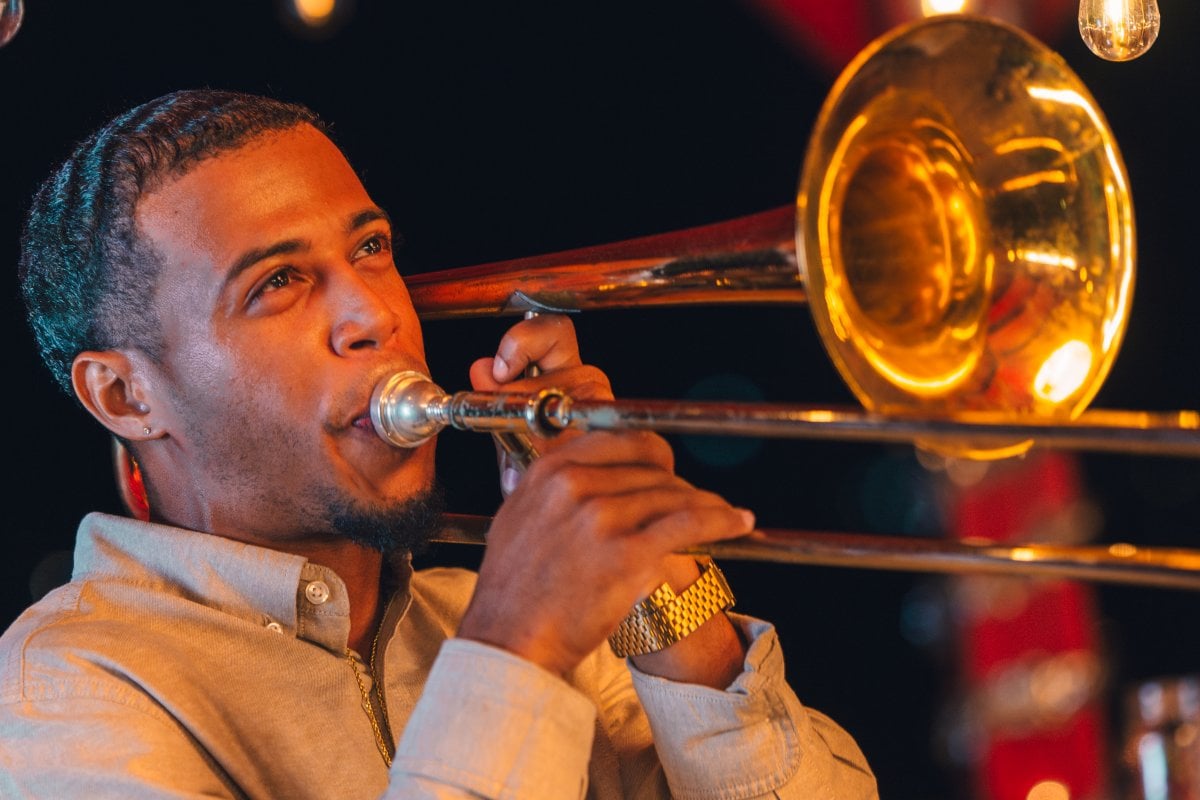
<point>405,527</point>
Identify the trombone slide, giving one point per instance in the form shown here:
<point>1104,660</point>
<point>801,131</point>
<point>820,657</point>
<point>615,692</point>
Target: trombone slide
<point>1166,568</point>
<point>407,409</point>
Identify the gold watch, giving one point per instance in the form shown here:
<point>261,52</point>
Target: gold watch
<point>663,618</point>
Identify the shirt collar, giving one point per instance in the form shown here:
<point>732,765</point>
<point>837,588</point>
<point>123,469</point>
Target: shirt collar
<point>285,592</point>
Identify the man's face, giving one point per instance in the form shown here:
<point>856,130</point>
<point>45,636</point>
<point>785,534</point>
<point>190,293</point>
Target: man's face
<point>281,308</point>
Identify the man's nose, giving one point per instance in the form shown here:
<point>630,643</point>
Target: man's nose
<point>363,318</point>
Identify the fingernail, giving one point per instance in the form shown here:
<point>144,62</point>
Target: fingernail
<point>509,479</point>
<point>747,519</point>
<point>499,368</point>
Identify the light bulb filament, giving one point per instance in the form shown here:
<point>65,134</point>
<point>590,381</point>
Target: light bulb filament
<point>1118,30</point>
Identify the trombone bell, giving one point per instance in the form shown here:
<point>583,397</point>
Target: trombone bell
<point>962,233</point>
<point>965,226</point>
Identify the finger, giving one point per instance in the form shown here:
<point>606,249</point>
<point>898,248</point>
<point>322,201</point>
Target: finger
<point>696,525</point>
<point>582,382</point>
<point>547,340</point>
<point>635,511</point>
<point>578,484</point>
<point>612,447</point>
<point>656,455</point>
<point>510,475</point>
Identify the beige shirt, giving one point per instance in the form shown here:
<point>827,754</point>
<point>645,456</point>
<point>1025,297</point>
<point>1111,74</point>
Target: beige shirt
<point>181,664</point>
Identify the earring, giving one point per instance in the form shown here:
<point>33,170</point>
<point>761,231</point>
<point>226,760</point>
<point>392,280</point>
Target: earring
<point>146,430</point>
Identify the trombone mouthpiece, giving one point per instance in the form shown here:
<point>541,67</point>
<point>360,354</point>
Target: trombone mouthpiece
<point>400,409</point>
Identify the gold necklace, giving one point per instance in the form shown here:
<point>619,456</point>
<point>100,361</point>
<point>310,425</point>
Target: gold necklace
<point>380,740</point>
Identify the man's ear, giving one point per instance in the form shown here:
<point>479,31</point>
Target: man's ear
<point>110,386</point>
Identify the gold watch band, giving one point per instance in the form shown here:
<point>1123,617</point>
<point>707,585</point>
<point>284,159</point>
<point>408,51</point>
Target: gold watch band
<point>663,618</point>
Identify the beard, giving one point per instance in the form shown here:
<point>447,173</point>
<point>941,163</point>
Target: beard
<point>408,526</point>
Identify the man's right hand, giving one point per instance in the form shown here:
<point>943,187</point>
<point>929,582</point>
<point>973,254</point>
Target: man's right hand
<point>588,532</point>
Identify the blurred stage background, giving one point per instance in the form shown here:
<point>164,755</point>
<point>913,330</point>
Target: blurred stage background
<point>493,131</point>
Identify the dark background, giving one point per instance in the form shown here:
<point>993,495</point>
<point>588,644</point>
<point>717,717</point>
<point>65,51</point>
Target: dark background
<point>495,131</point>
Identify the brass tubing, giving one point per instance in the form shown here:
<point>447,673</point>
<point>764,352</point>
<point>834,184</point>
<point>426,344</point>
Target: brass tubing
<point>1164,568</point>
<point>746,261</point>
<point>407,409</point>
<point>1135,432</point>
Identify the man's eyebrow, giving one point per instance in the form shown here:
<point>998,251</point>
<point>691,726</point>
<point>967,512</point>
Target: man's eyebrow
<point>367,216</point>
<point>256,254</point>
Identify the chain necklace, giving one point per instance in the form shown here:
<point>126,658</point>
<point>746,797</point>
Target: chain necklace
<point>381,741</point>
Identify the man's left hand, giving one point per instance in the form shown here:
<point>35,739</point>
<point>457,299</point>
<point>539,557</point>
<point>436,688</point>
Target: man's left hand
<point>713,654</point>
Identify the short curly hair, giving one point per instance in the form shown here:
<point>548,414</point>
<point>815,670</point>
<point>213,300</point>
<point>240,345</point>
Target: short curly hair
<point>85,275</point>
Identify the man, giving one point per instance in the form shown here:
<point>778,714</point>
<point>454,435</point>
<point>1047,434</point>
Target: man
<point>211,280</point>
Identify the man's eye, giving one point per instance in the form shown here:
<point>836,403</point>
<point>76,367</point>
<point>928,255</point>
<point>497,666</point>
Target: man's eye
<point>375,245</point>
<point>277,280</point>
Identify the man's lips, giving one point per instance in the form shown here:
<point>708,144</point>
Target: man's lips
<point>361,418</point>
<point>358,422</point>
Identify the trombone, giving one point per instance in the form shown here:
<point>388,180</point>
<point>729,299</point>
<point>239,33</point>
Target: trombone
<point>963,236</point>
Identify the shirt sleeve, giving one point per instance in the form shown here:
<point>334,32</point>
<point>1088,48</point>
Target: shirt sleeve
<point>106,745</point>
<point>754,739</point>
<point>491,724</point>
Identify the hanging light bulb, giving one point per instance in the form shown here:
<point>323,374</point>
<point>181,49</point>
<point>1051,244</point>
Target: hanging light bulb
<point>930,8</point>
<point>314,13</point>
<point>315,19</point>
<point>11,14</point>
<point>1118,30</point>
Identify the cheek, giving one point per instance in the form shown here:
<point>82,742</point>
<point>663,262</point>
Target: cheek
<point>206,366</point>
<point>410,326</point>
<point>244,430</point>
<point>220,387</point>
<point>416,475</point>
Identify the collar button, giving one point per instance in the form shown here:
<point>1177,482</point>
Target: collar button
<point>316,592</point>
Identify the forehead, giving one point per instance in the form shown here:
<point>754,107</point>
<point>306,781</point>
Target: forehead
<point>276,186</point>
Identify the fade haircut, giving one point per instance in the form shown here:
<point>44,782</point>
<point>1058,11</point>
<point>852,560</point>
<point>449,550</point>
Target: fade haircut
<point>86,278</point>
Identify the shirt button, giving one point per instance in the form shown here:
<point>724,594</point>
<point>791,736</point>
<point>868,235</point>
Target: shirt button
<point>275,626</point>
<point>316,592</point>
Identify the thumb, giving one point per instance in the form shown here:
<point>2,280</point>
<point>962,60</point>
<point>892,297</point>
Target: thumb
<point>482,375</point>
